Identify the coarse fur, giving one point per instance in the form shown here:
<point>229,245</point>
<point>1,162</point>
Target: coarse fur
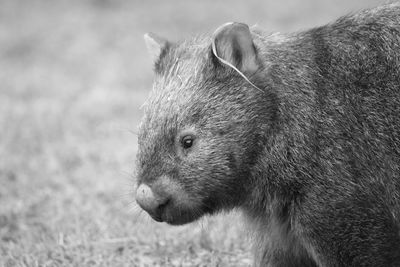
<point>313,159</point>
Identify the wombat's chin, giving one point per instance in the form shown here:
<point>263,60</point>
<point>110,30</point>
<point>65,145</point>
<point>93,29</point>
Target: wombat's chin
<point>180,220</point>
<point>179,216</point>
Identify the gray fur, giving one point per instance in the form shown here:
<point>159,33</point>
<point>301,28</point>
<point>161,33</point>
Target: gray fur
<point>313,160</point>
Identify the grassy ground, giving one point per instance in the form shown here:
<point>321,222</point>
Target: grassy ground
<point>72,77</point>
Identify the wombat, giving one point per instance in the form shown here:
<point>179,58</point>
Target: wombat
<point>299,131</point>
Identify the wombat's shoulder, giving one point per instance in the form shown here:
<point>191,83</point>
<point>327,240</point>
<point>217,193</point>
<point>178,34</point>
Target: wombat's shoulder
<point>384,14</point>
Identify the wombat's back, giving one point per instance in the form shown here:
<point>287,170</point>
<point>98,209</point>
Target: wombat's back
<point>346,80</point>
<point>357,101</point>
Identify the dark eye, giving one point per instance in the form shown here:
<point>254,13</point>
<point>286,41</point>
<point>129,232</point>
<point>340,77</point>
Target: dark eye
<point>187,141</point>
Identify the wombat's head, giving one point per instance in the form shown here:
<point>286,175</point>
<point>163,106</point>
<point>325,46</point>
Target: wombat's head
<point>201,130</point>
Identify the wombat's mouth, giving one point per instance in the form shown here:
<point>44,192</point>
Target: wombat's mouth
<point>178,215</point>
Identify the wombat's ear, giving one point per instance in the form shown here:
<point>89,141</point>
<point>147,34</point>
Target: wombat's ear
<point>233,45</point>
<point>156,46</point>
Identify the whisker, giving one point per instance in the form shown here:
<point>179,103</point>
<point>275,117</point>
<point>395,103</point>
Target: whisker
<point>133,132</point>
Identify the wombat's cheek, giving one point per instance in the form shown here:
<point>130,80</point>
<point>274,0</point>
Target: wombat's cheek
<point>166,201</point>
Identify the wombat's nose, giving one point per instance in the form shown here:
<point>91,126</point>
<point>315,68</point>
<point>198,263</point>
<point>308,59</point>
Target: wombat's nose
<point>150,202</point>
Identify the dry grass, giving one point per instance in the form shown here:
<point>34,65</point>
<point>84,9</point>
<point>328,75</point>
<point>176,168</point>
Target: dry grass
<point>73,75</point>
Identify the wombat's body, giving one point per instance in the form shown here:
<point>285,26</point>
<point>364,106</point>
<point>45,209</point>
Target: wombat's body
<point>311,156</point>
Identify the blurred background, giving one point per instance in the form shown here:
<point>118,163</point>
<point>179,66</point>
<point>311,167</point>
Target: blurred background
<point>73,75</point>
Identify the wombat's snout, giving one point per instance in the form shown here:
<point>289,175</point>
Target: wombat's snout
<point>165,200</point>
<point>151,202</point>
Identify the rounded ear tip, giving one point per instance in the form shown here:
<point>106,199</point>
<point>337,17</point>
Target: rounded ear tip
<point>155,45</point>
<point>152,37</point>
<point>240,25</point>
<point>148,35</point>
<point>231,25</point>
<point>234,23</point>
<point>228,23</point>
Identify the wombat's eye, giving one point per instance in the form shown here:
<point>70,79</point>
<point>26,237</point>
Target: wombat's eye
<point>187,141</point>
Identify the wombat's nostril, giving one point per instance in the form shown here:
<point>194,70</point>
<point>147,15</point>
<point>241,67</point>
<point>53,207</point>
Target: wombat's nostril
<point>149,201</point>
